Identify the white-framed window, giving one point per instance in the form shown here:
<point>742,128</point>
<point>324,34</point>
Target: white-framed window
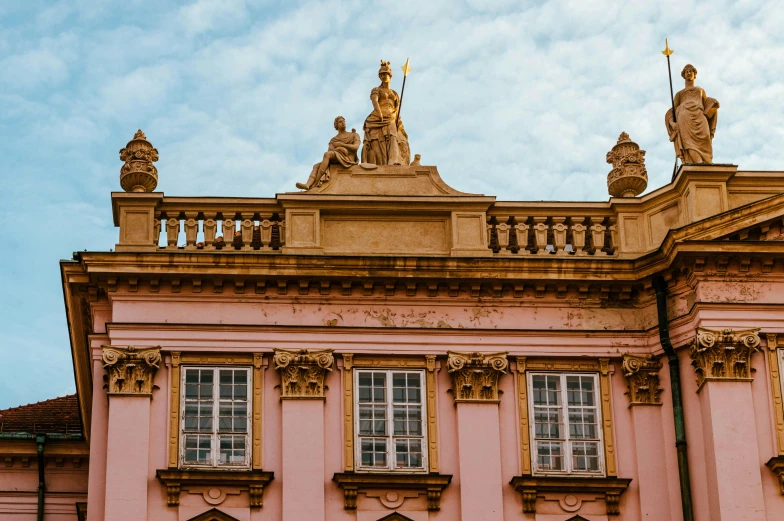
<point>215,417</point>
<point>390,430</point>
<point>566,427</point>
<point>780,353</point>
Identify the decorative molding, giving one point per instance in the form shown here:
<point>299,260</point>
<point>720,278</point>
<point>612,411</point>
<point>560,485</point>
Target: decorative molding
<point>531,487</point>
<point>213,515</point>
<point>601,366</point>
<point>130,370</point>
<point>429,484</point>
<point>302,372</point>
<point>212,495</point>
<point>362,361</point>
<point>253,481</point>
<point>642,377</point>
<point>723,355</point>
<point>475,376</point>
<point>776,465</point>
<point>178,359</point>
<point>776,390</point>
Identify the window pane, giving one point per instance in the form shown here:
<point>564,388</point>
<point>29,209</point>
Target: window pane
<point>585,456</point>
<point>548,423</point>
<point>546,389</point>
<point>549,456</point>
<point>580,391</point>
<point>372,420</point>
<point>582,424</point>
<point>197,450</point>
<point>408,453</point>
<point>232,450</point>
<point>374,452</point>
<point>408,420</point>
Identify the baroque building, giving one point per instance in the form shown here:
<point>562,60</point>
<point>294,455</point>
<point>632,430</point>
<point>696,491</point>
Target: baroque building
<point>385,347</point>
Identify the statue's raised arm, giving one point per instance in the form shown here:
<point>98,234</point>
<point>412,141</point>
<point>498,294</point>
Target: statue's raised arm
<point>692,126</point>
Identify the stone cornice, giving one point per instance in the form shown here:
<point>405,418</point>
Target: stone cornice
<point>253,481</point>
<point>475,375</point>
<point>530,487</point>
<point>429,484</point>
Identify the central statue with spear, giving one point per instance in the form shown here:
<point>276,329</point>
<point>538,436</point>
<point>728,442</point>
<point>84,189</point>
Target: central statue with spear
<point>385,141</point>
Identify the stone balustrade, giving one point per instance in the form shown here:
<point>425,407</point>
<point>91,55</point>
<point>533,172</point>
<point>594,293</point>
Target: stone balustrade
<point>529,234</point>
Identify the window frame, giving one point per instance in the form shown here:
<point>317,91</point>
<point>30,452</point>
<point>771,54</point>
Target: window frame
<point>567,440</point>
<point>215,435</point>
<point>391,454</point>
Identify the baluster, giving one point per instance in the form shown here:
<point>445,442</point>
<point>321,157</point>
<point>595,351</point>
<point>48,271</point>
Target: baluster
<point>502,230</point>
<point>266,234</point>
<point>597,238</point>
<point>578,236</point>
<point>172,232</point>
<point>210,227</point>
<point>191,230</point>
<point>247,231</point>
<point>157,227</point>
<point>278,238</point>
<point>559,235</point>
<point>540,235</point>
<point>521,230</point>
<point>614,242</point>
<point>229,225</point>
<point>493,239</point>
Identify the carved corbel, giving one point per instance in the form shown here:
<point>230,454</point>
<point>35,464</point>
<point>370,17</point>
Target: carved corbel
<point>475,376</point>
<point>723,355</point>
<point>302,372</point>
<point>642,377</point>
<point>776,465</point>
<point>130,370</point>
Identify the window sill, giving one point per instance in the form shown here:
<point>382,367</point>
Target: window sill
<point>530,487</point>
<point>429,484</point>
<point>253,481</point>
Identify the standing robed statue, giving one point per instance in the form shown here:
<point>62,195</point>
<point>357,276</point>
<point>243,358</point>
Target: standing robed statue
<point>385,141</point>
<point>693,124</point>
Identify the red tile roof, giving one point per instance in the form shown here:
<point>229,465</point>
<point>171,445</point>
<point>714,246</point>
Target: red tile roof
<point>55,416</point>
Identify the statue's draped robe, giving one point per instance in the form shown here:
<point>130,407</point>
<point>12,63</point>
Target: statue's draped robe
<point>343,156</point>
<point>384,144</point>
<point>696,116</point>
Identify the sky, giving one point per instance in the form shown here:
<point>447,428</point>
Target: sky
<point>521,100</point>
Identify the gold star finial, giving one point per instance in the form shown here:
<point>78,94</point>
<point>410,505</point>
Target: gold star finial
<point>667,51</point>
<point>406,68</point>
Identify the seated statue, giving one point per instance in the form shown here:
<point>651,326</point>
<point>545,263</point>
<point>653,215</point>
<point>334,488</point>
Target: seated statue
<point>385,142</point>
<point>693,125</point>
<point>342,150</point>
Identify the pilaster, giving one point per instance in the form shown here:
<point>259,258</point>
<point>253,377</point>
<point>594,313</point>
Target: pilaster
<point>130,372</point>
<point>302,393</point>
<point>475,380</point>
<point>722,361</point>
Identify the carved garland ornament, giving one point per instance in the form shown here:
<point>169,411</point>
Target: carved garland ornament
<point>475,376</point>
<point>302,372</point>
<point>642,376</point>
<point>130,370</point>
<point>724,355</point>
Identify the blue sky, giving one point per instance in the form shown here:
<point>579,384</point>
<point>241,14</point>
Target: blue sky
<point>521,100</point>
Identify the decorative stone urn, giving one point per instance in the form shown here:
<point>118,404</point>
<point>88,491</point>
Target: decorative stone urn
<point>138,174</point>
<point>628,178</point>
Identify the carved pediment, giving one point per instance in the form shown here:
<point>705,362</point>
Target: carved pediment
<point>396,180</point>
<point>213,515</point>
<point>394,516</point>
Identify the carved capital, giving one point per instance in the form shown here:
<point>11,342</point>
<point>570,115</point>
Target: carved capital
<point>130,370</point>
<point>302,372</point>
<point>475,375</point>
<point>723,355</point>
<point>642,377</point>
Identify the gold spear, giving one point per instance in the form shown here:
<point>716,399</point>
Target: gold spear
<point>406,70</point>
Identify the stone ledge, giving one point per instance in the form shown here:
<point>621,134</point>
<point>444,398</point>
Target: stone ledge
<point>776,465</point>
<point>252,480</point>
<point>531,486</point>
<point>431,484</point>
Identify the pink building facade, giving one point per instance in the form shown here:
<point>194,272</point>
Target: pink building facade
<point>385,347</point>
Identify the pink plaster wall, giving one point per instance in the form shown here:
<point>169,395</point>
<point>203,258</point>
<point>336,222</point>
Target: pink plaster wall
<point>479,452</point>
<point>302,472</point>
